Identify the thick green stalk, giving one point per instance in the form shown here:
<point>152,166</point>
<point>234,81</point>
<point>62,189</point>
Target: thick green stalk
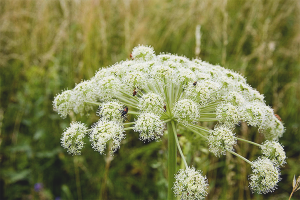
<point>171,160</point>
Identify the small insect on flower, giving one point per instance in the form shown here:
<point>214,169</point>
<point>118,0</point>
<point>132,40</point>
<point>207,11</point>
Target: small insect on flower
<point>195,83</point>
<point>124,112</point>
<point>165,107</point>
<point>134,92</point>
<point>131,56</point>
<point>278,117</point>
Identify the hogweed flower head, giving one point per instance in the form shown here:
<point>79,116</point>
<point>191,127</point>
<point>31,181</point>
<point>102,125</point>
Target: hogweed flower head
<point>72,138</point>
<point>104,131</point>
<point>265,176</point>
<point>155,90</point>
<point>220,140</point>
<point>190,184</point>
<point>149,126</point>
<point>274,151</point>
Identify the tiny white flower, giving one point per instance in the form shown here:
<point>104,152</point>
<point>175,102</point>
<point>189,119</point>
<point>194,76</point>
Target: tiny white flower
<point>265,176</point>
<point>220,140</point>
<point>190,184</point>
<point>149,126</point>
<point>72,138</point>
<point>274,151</point>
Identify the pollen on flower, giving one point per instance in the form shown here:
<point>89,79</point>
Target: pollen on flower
<point>274,151</point>
<point>190,184</point>
<point>149,126</point>
<point>104,131</point>
<point>72,138</point>
<point>265,176</point>
<point>220,140</point>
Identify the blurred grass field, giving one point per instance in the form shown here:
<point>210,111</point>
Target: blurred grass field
<point>48,46</point>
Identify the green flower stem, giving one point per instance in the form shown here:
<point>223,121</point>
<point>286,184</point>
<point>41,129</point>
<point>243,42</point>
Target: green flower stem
<point>207,115</point>
<point>166,120</point>
<point>205,130</point>
<point>128,128</point>
<point>196,131</point>
<point>241,157</point>
<point>248,142</point>
<point>129,123</point>
<point>94,103</point>
<point>208,119</point>
<point>177,142</point>
<point>133,112</point>
<point>171,160</point>
<point>210,107</point>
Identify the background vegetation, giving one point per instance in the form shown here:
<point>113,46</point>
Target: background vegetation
<point>47,46</point>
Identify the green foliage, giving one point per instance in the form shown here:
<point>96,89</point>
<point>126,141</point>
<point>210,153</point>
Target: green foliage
<point>46,46</point>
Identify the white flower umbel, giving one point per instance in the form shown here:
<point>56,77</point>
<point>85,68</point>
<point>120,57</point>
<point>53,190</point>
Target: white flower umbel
<point>149,126</point>
<point>72,138</point>
<point>186,110</point>
<point>104,131</point>
<point>228,113</point>
<point>174,92</point>
<point>274,151</point>
<point>220,140</point>
<point>111,111</point>
<point>265,176</point>
<point>151,102</point>
<point>143,53</point>
<point>190,184</point>
<point>62,103</point>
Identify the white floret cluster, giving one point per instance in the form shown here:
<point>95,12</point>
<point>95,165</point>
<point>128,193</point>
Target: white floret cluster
<point>72,138</point>
<point>275,152</point>
<point>104,131</point>
<point>265,176</point>
<point>220,140</point>
<point>190,184</point>
<point>147,91</point>
<point>149,126</point>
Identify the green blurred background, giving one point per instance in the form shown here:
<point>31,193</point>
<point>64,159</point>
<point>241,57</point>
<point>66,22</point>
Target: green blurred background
<point>49,45</point>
